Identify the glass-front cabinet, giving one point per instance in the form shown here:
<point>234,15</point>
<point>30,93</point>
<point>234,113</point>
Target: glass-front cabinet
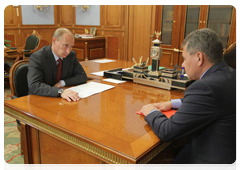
<point>167,17</point>
<point>167,24</point>
<point>192,19</point>
<point>219,19</point>
<point>177,21</point>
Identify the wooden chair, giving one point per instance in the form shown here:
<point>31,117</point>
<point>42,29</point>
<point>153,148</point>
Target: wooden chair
<point>18,78</point>
<point>32,44</point>
<point>230,55</point>
<point>19,87</point>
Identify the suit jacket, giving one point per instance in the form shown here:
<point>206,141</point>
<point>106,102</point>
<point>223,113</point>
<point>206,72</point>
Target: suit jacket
<point>208,113</point>
<point>42,72</point>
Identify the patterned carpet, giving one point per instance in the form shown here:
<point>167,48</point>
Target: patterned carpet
<point>12,144</point>
<point>13,160</point>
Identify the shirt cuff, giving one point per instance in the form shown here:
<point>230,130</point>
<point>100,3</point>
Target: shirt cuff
<point>176,103</point>
<point>153,111</point>
<point>63,83</point>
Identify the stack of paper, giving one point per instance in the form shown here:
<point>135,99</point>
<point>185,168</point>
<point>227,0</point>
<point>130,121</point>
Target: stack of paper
<point>99,73</point>
<point>114,81</point>
<point>91,88</point>
<point>103,61</point>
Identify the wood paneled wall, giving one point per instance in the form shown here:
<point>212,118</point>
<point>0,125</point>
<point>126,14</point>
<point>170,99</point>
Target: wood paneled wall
<point>128,29</point>
<point>141,30</point>
<point>124,27</point>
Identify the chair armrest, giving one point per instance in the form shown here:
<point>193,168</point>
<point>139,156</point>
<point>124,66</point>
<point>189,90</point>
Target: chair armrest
<point>11,51</point>
<point>12,48</point>
<point>25,51</point>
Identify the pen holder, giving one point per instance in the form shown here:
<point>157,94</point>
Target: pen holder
<point>139,69</point>
<point>169,73</point>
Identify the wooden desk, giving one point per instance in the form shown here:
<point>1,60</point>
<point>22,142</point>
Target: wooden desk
<point>89,48</point>
<point>103,128</point>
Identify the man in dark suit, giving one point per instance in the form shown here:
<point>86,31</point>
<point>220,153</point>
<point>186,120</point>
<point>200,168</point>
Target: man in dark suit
<point>208,110</point>
<point>43,76</point>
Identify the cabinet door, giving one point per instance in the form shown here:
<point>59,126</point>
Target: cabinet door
<point>168,22</point>
<point>191,20</point>
<point>219,19</point>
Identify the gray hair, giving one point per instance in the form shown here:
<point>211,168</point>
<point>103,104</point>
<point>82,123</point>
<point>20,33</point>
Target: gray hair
<point>206,41</point>
<point>60,31</point>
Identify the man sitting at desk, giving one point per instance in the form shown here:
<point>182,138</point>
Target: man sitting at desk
<point>54,67</point>
<point>208,110</point>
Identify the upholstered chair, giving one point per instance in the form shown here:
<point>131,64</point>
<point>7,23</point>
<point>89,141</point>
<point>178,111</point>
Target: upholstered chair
<point>31,45</point>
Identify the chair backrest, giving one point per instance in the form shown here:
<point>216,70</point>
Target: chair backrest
<point>18,78</point>
<point>230,55</point>
<point>32,42</point>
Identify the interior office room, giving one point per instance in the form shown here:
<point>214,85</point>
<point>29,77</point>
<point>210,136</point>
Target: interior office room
<point>132,55</point>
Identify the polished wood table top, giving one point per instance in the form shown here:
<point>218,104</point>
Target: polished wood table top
<point>107,120</point>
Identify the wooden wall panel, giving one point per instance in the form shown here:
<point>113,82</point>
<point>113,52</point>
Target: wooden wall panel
<point>10,16</point>
<point>12,35</point>
<point>115,45</point>
<point>115,30</point>
<point>166,59</point>
<point>140,31</point>
<point>114,16</point>
<point>112,47</point>
<point>66,13</point>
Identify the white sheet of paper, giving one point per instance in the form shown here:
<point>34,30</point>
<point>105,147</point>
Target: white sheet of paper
<point>100,73</point>
<point>90,88</point>
<point>103,61</point>
<point>125,69</point>
<point>114,81</point>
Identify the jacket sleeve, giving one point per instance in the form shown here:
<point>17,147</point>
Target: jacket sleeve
<point>198,110</point>
<point>78,76</point>
<point>35,78</point>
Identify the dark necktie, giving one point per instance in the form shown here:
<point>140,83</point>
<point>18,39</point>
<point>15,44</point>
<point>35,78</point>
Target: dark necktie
<point>59,70</point>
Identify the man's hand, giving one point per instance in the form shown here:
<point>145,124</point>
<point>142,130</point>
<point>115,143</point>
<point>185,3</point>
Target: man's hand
<point>70,95</point>
<point>163,106</point>
<point>148,108</point>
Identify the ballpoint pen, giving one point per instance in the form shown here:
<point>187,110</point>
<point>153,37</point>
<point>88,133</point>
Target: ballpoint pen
<point>134,61</point>
<point>147,61</point>
<point>140,60</point>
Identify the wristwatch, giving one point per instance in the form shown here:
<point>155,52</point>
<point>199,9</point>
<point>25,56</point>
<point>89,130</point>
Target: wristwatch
<point>60,91</point>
